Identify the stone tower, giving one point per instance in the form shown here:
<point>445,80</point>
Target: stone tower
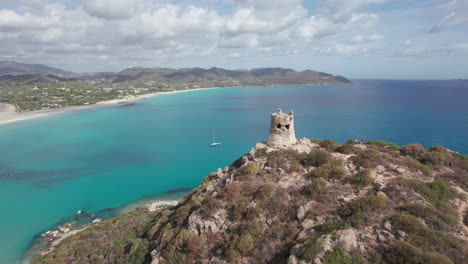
<point>281,129</point>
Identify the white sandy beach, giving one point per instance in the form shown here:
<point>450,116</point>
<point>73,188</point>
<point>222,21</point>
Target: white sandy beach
<point>8,112</point>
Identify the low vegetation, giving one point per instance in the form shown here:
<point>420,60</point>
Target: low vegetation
<point>363,178</point>
<point>117,239</point>
<point>316,158</point>
<point>362,211</point>
<point>384,144</point>
<point>401,252</point>
<point>333,169</point>
<point>340,256</point>
<point>369,158</point>
<point>436,192</point>
<point>443,245</point>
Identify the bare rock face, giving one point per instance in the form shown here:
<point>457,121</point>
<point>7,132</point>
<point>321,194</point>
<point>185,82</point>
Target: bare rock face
<point>199,225</point>
<point>348,238</point>
<point>281,130</point>
<point>303,209</point>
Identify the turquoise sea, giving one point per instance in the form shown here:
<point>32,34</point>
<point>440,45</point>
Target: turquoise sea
<point>101,158</point>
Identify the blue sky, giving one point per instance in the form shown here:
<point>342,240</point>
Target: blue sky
<point>394,39</point>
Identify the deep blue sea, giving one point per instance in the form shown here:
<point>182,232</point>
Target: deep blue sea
<point>100,158</point>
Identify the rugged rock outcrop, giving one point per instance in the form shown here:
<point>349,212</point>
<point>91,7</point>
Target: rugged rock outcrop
<point>313,202</point>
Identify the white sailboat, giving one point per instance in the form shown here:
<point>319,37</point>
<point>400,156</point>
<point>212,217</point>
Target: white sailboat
<point>215,144</point>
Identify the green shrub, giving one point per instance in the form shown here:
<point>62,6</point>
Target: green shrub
<point>408,223</point>
<point>195,244</point>
<point>401,252</point>
<point>460,178</point>
<point>327,143</point>
<point>431,240</point>
<point>245,244</point>
<point>329,226</point>
<point>248,189</point>
<point>181,214</point>
<point>316,158</point>
<point>317,188</point>
<point>346,148</point>
<point>437,192</point>
<point>315,140</point>
<point>437,148</point>
<point>238,162</point>
<point>435,158</point>
<point>280,158</point>
<point>232,256</point>
<point>209,206</point>
<point>368,158</point>
<point>414,165</point>
<point>261,152</point>
<point>182,238</point>
<point>238,209</point>
<point>413,149</point>
<point>210,177</point>
<point>340,256</point>
<point>266,191</point>
<point>384,144</point>
<point>331,170</point>
<point>232,192</point>
<point>361,211</point>
<point>432,217</point>
<point>363,178</point>
<point>309,250</point>
<point>249,171</point>
<point>253,228</point>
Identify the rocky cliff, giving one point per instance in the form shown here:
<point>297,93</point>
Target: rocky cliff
<point>314,202</point>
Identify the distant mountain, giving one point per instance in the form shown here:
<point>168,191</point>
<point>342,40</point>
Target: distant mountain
<point>16,68</point>
<point>263,76</point>
<point>34,78</point>
<point>22,73</point>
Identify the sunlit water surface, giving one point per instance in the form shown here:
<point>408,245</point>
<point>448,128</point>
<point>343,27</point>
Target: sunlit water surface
<point>102,158</point>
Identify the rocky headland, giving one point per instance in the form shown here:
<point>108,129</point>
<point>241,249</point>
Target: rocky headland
<point>315,201</point>
<point>298,202</point>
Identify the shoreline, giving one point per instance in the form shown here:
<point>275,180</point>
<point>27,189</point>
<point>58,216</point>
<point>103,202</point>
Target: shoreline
<point>46,241</point>
<point>11,116</point>
<point>8,114</point>
<point>61,232</point>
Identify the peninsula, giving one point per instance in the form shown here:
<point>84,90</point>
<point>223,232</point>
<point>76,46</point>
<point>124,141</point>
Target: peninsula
<point>37,87</point>
<point>299,201</point>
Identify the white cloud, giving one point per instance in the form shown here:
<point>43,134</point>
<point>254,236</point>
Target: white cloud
<point>342,10</point>
<point>316,27</point>
<point>153,32</point>
<point>452,13</point>
<point>12,21</point>
<point>345,50</point>
<point>112,9</point>
<point>407,43</point>
<point>369,38</point>
<point>449,20</point>
<point>376,37</point>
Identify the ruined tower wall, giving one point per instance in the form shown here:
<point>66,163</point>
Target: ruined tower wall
<point>281,129</point>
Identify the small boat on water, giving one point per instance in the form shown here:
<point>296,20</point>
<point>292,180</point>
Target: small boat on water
<point>215,144</point>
